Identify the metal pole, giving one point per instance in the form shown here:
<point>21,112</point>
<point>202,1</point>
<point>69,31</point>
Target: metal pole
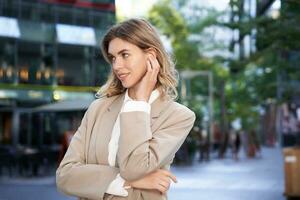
<point>211,109</point>
<point>15,126</point>
<point>187,75</point>
<point>29,130</point>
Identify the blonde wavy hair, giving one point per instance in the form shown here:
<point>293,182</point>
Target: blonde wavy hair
<point>142,34</point>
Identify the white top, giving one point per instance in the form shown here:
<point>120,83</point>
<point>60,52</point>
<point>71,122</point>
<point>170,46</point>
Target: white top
<point>129,105</point>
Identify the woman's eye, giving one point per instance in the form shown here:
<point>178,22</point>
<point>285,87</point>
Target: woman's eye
<point>125,55</point>
<point>113,59</point>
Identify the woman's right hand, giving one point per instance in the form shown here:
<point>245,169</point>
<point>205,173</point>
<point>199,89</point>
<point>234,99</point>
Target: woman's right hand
<point>158,180</point>
<point>147,84</point>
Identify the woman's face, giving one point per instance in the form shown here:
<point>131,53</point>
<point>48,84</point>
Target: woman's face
<point>128,62</point>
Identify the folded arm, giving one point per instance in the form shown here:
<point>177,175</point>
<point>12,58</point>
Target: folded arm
<point>75,177</point>
<point>141,151</point>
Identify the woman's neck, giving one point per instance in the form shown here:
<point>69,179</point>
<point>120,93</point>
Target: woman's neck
<point>132,93</point>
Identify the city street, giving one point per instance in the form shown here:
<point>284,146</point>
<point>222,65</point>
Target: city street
<point>246,179</point>
<point>224,90</point>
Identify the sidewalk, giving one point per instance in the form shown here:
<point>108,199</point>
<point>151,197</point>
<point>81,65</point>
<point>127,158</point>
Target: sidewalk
<point>246,179</point>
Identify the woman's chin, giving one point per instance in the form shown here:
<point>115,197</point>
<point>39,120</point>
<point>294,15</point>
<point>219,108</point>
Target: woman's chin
<point>129,83</point>
<point>126,85</point>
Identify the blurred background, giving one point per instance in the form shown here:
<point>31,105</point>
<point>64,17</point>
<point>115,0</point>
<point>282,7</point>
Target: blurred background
<point>238,62</point>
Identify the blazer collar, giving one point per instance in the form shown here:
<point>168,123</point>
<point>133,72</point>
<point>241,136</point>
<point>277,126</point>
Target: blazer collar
<point>154,95</point>
<point>116,103</point>
<point>156,107</point>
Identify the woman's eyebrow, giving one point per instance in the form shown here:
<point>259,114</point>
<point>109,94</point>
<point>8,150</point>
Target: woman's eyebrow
<point>120,52</point>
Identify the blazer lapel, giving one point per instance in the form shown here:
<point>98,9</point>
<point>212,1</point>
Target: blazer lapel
<point>105,127</point>
<point>157,108</point>
<point>105,123</point>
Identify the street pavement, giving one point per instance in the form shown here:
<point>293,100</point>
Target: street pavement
<point>226,179</point>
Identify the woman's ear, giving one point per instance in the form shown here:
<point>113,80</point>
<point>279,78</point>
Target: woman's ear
<point>151,52</point>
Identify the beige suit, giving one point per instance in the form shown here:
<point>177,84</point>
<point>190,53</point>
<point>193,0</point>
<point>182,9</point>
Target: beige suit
<point>145,144</point>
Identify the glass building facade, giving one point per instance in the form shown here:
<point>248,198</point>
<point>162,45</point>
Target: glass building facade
<point>49,52</point>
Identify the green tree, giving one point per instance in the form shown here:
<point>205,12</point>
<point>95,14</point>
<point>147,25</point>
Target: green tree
<point>191,42</point>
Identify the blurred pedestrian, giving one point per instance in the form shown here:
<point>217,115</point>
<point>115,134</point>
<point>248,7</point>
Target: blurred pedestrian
<point>204,146</point>
<point>253,145</point>
<point>129,136</point>
<point>202,143</point>
<point>235,144</point>
<point>244,141</point>
<point>224,145</point>
<point>65,142</point>
<point>67,137</point>
<point>217,136</point>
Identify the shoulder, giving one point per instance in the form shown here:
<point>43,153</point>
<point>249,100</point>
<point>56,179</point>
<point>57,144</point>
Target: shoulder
<point>181,109</point>
<point>101,103</point>
<point>175,116</point>
<point>174,112</point>
<point>98,102</point>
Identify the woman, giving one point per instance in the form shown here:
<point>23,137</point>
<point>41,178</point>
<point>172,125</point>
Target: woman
<point>129,136</point>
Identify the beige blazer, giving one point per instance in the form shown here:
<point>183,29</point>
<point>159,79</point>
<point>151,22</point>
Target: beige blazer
<point>145,144</point>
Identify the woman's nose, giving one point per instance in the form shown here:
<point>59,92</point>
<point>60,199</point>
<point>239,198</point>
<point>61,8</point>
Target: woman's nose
<point>117,64</point>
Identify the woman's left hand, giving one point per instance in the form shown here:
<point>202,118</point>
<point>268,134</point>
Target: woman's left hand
<point>159,180</point>
<point>149,80</point>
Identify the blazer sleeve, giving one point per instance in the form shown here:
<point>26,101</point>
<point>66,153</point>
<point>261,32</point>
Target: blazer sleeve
<point>141,151</point>
<point>75,177</point>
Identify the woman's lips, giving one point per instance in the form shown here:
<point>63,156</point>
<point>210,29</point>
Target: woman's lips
<point>123,76</point>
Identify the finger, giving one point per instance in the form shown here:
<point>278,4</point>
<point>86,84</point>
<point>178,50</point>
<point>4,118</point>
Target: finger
<point>171,176</point>
<point>161,188</point>
<point>164,183</point>
<point>149,67</point>
<point>155,70</point>
<point>166,179</point>
<point>154,62</point>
